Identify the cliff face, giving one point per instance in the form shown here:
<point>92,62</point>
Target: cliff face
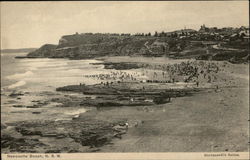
<point>45,51</point>
<point>80,46</point>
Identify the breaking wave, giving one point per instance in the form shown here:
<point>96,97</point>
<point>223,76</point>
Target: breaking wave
<point>77,112</point>
<point>20,75</point>
<point>18,84</point>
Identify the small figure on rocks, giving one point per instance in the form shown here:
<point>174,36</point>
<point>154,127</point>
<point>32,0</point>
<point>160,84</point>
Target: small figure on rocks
<point>126,124</point>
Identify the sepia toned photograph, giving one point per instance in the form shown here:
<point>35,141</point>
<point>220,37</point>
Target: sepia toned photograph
<point>124,77</point>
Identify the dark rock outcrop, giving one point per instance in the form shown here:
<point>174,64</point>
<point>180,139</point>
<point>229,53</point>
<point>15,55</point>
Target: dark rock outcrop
<point>85,132</point>
<point>122,94</point>
<point>19,144</point>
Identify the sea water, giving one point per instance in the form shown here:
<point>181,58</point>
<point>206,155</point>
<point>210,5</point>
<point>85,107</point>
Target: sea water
<point>37,79</point>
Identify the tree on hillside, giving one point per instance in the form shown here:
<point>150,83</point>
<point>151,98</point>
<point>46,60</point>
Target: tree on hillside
<point>174,35</point>
<point>162,34</point>
<point>156,34</point>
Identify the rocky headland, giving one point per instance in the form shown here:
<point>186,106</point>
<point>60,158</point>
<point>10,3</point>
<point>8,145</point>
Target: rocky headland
<point>178,44</point>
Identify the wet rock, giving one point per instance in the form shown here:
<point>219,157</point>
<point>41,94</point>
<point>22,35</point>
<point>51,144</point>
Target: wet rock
<point>26,132</point>
<point>47,93</point>
<point>19,106</point>
<point>20,144</point>
<point>35,101</point>
<point>34,106</point>
<point>36,112</point>
<point>49,135</point>
<point>3,126</point>
<point>118,136</point>
<point>59,136</point>
<point>121,65</point>
<point>73,151</point>
<point>53,151</point>
<point>161,100</point>
<point>12,101</point>
<point>95,150</point>
<point>91,132</point>
<point>42,103</point>
<point>15,94</point>
<point>122,94</point>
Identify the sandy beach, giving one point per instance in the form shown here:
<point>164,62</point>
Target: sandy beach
<point>211,120</point>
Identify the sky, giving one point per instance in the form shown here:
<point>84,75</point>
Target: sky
<point>32,24</point>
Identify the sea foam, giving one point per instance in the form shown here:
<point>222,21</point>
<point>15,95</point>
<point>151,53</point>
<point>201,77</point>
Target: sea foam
<point>18,84</point>
<point>20,75</point>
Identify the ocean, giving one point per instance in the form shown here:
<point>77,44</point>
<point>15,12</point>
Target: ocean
<point>36,80</point>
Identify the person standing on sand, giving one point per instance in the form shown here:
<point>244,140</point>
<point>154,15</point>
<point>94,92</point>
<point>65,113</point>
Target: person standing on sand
<point>197,83</point>
<point>209,79</point>
<point>126,124</point>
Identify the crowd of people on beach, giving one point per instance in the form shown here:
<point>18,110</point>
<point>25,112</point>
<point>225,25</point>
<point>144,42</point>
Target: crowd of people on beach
<point>189,71</point>
<point>192,70</point>
<point>186,71</point>
<point>116,76</point>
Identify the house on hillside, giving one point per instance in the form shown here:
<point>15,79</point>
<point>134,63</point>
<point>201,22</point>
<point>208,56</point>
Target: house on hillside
<point>244,34</point>
<point>203,29</point>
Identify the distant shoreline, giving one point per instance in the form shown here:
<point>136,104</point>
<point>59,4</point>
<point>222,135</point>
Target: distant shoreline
<point>19,50</point>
